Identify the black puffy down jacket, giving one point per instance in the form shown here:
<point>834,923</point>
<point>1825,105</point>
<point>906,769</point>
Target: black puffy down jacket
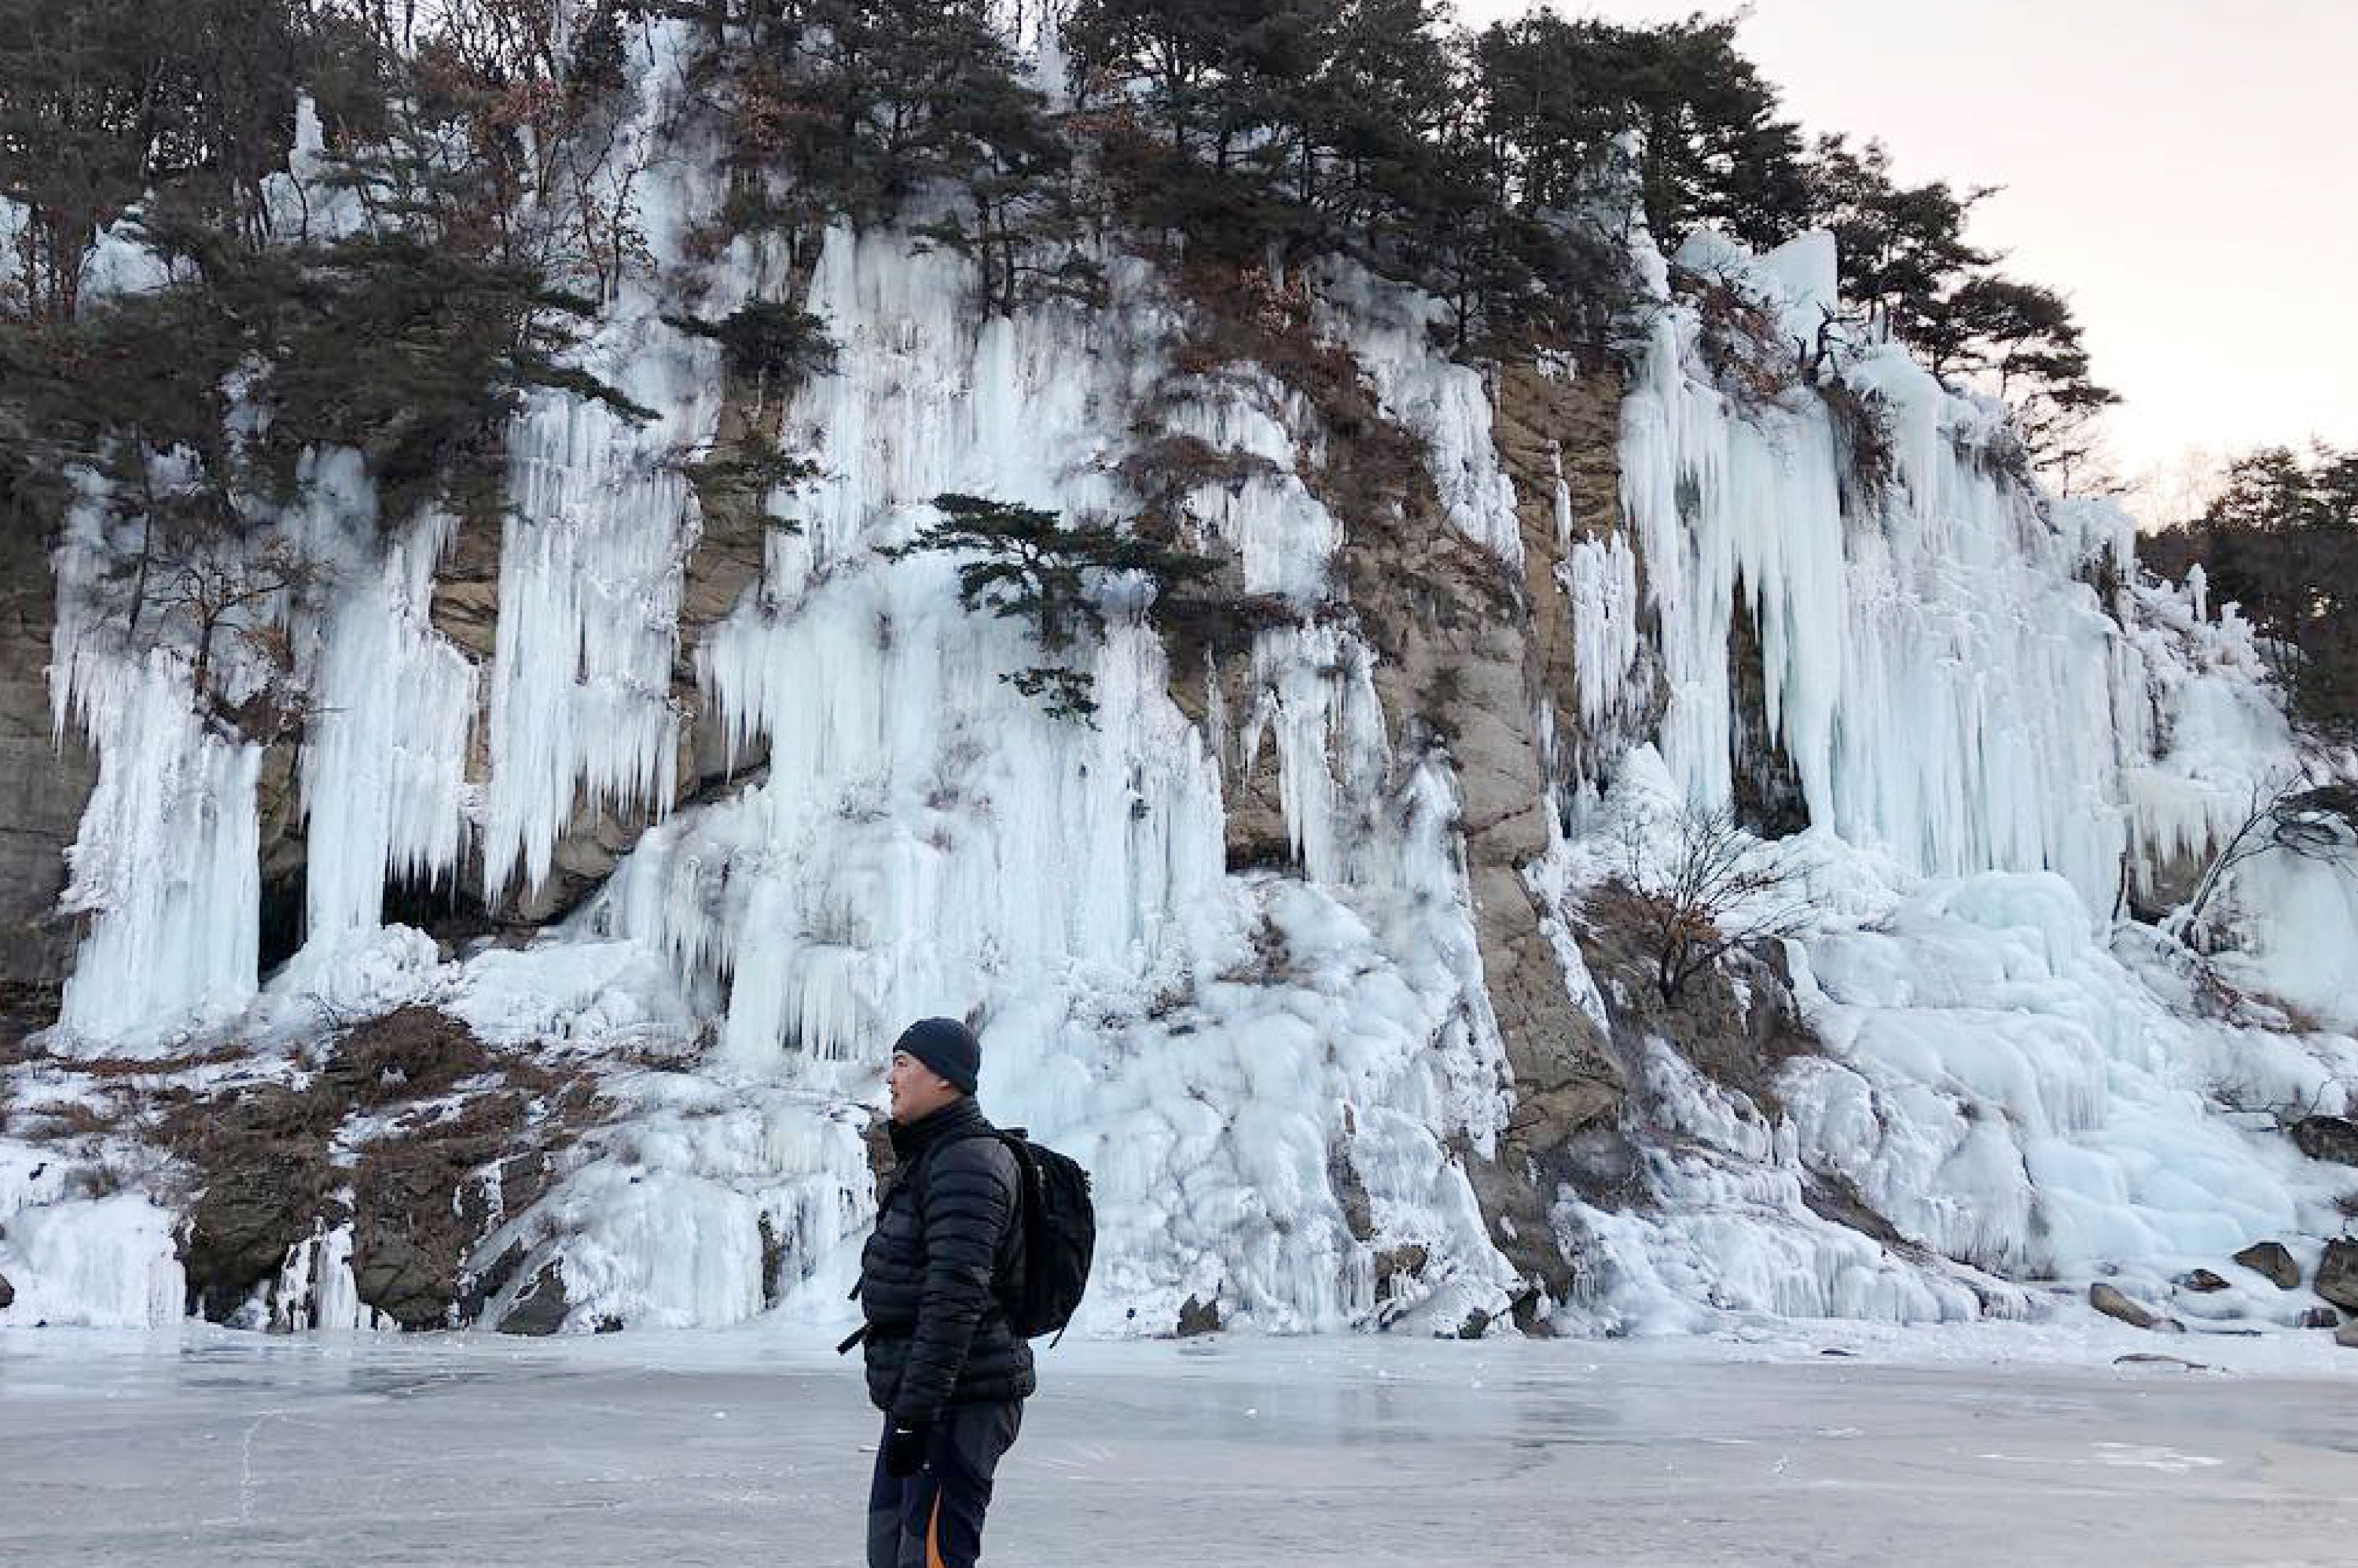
<point>948,1231</point>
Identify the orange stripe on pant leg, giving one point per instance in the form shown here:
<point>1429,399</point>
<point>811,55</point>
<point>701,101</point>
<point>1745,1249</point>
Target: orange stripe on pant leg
<point>934,1532</point>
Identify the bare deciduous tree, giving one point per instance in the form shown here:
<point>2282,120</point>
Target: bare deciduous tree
<point>211,592</point>
<point>1713,893</point>
<point>2285,811</point>
<point>224,589</point>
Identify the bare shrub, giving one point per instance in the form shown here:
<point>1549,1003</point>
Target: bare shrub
<point>1713,893</point>
<point>148,1067</point>
<point>1862,428</point>
<point>73,1119</point>
<point>1759,369</point>
<point>416,1053</point>
<point>1741,343</point>
<point>2286,812</point>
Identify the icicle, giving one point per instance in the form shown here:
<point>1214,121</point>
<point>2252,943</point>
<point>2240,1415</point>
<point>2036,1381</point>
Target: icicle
<point>166,864</point>
<point>384,765</point>
<point>589,587</point>
<point>1600,577</point>
<point>1940,682</point>
<point>926,839</point>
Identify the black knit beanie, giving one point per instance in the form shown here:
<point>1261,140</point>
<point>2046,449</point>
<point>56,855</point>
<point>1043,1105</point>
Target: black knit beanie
<point>947,1046</point>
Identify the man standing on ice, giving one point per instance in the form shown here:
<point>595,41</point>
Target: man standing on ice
<point>944,1364</point>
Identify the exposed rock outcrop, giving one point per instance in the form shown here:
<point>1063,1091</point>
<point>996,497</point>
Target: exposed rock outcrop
<point>2269,1258</point>
<point>259,1157</point>
<point>471,1138</point>
<point>540,1308</point>
<point>2337,1274</point>
<point>2332,1139</point>
<point>1198,1317</point>
<point>425,1194</point>
<point>424,1197</point>
<point>2109,1300</point>
<point>1512,670</point>
<point>44,782</point>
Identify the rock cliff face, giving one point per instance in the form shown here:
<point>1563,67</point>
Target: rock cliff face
<point>544,981</point>
<point>45,778</point>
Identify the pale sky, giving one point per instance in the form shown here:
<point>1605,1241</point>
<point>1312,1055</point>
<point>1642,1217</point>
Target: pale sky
<point>2186,170</point>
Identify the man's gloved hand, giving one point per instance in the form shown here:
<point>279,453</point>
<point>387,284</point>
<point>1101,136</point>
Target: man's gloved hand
<point>904,1450</point>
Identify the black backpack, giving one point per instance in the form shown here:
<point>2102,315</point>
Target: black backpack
<point>1060,1235</point>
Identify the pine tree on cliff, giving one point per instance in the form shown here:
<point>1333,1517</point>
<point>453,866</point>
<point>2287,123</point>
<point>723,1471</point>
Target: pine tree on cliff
<point>105,101</point>
<point>883,111</point>
<point>1021,222</point>
<point>1030,565</point>
<point>1907,262</point>
<point>410,341</point>
<point>1903,247</point>
<point>1713,147</point>
<point>2281,540</point>
<point>2310,598</point>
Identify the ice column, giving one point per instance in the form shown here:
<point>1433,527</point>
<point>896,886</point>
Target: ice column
<point>589,589</point>
<point>1929,661</point>
<point>166,864</point>
<point>385,767</point>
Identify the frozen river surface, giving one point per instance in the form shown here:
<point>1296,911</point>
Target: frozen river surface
<point>742,1449</point>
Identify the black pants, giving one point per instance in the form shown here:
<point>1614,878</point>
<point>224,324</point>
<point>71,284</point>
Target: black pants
<point>934,1519</point>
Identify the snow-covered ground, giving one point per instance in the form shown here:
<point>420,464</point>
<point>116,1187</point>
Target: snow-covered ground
<point>1980,1445</point>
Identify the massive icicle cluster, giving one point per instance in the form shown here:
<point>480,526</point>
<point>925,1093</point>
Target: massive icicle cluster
<point>924,837</point>
<point>928,839</point>
<point>167,865</point>
<point>1991,754</point>
<point>1275,1077</point>
<point>385,784</point>
<point>1947,686</point>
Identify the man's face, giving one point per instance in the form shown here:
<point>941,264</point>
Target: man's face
<point>915,1090</point>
